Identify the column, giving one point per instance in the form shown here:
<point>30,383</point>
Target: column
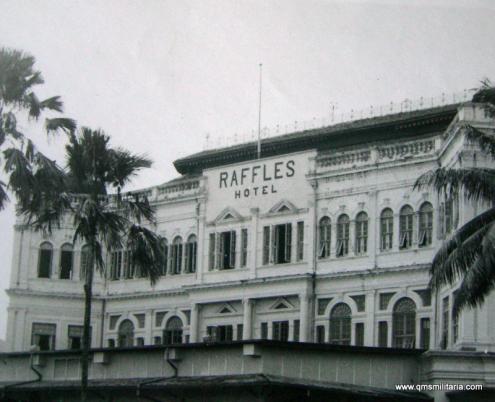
<point>247,321</point>
<point>369,326</point>
<point>149,340</point>
<point>193,330</point>
<point>303,317</point>
<point>253,243</point>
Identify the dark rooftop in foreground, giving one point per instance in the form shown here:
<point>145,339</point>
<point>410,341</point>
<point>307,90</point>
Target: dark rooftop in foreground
<point>406,125</point>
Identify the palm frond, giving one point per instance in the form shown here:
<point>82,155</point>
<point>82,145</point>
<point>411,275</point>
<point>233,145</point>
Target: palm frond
<point>476,183</point>
<point>98,255</point>
<point>33,105</point>
<point>485,141</point>
<point>479,280</point>
<point>448,264</point>
<point>146,251</point>
<point>486,94</point>
<point>4,198</point>
<point>53,103</point>
<point>125,165</point>
<point>9,124</point>
<point>18,168</point>
<point>111,227</point>
<point>60,124</point>
<point>46,211</point>
<point>93,218</point>
<point>136,206</point>
<point>17,76</point>
<point>474,287</point>
<point>459,261</point>
<point>30,151</point>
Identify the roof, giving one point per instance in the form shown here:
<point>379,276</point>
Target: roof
<point>221,382</point>
<point>400,125</point>
<point>234,344</point>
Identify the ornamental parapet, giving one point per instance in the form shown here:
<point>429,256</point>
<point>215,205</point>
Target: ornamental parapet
<point>351,159</point>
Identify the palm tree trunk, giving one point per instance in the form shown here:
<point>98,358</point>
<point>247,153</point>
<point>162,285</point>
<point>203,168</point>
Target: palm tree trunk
<point>86,341</point>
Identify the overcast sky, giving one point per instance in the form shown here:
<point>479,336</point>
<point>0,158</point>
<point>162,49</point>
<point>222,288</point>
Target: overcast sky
<point>158,75</point>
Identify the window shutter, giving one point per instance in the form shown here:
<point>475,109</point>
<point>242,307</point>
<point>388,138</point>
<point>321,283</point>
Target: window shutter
<point>179,262</point>
<point>219,251</point>
<point>288,242</point>
<point>232,249</point>
<point>187,257</point>
<point>300,241</point>
<point>194,256</point>
<point>266,245</point>
<point>322,250</point>
<point>274,245</point>
<point>211,252</point>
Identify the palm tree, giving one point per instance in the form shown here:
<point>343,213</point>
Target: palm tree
<point>101,220</point>
<point>18,78</point>
<point>469,254</point>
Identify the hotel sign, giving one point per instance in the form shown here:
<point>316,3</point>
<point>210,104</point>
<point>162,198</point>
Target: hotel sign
<point>256,180</point>
<point>259,183</point>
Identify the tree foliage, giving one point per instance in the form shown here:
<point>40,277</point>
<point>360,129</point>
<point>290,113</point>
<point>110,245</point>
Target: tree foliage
<point>86,190</point>
<point>468,255</point>
<point>20,158</point>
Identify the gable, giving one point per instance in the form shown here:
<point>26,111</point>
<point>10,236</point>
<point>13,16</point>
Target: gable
<point>226,308</point>
<point>283,206</point>
<point>281,304</point>
<point>228,215</point>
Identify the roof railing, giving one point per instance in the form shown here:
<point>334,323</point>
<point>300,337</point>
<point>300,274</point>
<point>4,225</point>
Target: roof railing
<point>336,117</point>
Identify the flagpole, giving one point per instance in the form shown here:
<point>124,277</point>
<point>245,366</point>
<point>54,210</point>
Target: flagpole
<point>259,114</point>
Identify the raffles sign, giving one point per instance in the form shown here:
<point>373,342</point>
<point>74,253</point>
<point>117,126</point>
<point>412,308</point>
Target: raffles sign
<point>259,183</point>
<point>256,180</point>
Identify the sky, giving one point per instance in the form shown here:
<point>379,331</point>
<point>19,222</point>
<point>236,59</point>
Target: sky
<point>158,76</point>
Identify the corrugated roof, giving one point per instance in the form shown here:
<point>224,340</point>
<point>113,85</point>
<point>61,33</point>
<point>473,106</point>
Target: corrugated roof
<point>223,381</point>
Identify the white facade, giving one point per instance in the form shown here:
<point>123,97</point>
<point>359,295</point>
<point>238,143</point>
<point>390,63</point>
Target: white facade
<point>286,275</point>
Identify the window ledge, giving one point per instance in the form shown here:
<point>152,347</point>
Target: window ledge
<point>221,271</point>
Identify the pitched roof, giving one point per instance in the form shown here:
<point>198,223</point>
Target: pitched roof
<point>389,127</point>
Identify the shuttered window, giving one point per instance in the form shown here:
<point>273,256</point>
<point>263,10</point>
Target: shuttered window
<point>324,231</point>
<point>45,257</point>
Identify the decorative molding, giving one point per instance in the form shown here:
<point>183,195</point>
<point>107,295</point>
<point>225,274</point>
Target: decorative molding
<point>283,206</point>
<point>344,158</point>
<point>228,214</point>
<point>322,305</point>
<point>281,304</point>
<point>226,308</point>
<point>406,150</point>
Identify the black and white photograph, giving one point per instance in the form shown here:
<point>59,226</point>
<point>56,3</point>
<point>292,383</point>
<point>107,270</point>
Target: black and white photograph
<point>247,200</point>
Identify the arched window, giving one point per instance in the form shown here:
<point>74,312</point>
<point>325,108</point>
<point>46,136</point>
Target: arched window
<point>406,220</point>
<point>176,258</point>
<point>386,229</point>
<point>340,324</point>
<point>342,236</point>
<point>361,233</point>
<point>404,324</point>
<point>173,331</point>
<point>425,235</point>
<point>45,256</point>
<point>164,246</point>
<point>191,251</point>
<point>85,262</point>
<point>66,261</point>
<point>126,333</point>
<point>325,232</point>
